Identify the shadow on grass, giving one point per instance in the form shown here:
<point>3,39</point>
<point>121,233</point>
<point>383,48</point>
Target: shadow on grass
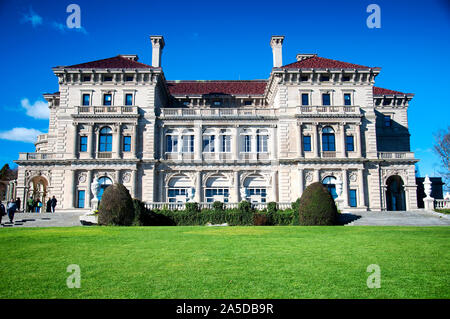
<point>346,218</point>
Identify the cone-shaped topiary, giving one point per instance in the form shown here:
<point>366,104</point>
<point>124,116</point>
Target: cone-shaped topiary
<point>317,207</point>
<point>116,206</point>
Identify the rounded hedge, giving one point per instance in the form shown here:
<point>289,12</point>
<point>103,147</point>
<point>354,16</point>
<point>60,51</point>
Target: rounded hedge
<point>317,207</point>
<point>116,206</point>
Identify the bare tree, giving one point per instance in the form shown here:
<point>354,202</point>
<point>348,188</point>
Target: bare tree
<point>442,148</point>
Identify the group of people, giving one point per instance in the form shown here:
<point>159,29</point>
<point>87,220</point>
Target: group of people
<point>10,209</point>
<point>36,205</point>
<point>32,206</point>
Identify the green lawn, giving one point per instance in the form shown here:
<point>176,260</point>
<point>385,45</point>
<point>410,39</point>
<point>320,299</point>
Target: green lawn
<point>225,262</point>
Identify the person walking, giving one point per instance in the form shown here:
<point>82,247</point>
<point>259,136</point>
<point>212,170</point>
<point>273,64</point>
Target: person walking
<point>54,201</point>
<point>30,204</point>
<point>38,206</point>
<point>2,211</point>
<point>18,204</point>
<point>49,206</point>
<point>11,210</point>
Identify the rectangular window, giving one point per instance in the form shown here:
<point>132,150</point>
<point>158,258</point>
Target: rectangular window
<point>86,78</point>
<point>105,143</point>
<point>216,194</point>
<point>83,143</point>
<point>177,195</point>
<point>326,99</point>
<point>129,78</point>
<point>127,143</point>
<point>86,99</point>
<point>387,120</point>
<point>247,144</point>
<point>128,99</point>
<point>261,143</point>
<point>107,78</point>
<point>307,143</point>
<point>81,196</point>
<point>304,78</point>
<point>324,78</point>
<point>345,78</point>
<point>188,144</point>
<point>352,198</point>
<point>349,143</point>
<point>248,102</point>
<point>347,99</point>
<point>305,99</point>
<point>172,143</point>
<point>208,143</point>
<point>225,144</point>
<point>107,99</point>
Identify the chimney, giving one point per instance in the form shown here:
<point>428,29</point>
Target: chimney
<point>276,42</point>
<point>157,45</point>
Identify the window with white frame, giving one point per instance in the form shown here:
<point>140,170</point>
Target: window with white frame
<point>217,189</point>
<point>255,189</point>
<point>208,143</point>
<point>171,142</point>
<point>178,189</point>
<point>188,143</point>
<point>262,139</point>
<point>225,141</point>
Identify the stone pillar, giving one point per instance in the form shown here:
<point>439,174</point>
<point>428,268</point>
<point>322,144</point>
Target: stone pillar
<point>117,171</point>
<point>69,189</point>
<point>91,138</point>
<point>253,144</point>
<point>88,190</point>
<point>75,139</point>
<point>198,187</point>
<point>316,175</point>
<point>95,141</point>
<point>274,186</point>
<point>133,183</point>
<point>358,140</point>
<point>235,143</point>
<point>198,142</point>
<point>118,135</point>
<point>273,144</point>
<point>344,188</point>
<point>217,144</point>
<point>236,190</point>
<point>362,199</point>
<point>342,135</point>
<point>300,141</point>
<point>316,140</point>
<point>301,181</point>
<point>135,141</point>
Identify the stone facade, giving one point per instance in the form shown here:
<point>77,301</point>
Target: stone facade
<point>119,120</point>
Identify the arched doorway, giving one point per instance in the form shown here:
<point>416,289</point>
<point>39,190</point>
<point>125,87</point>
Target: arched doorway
<point>395,194</point>
<point>330,183</point>
<point>37,188</point>
<point>103,182</point>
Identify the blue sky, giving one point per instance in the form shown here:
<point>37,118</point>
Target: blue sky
<point>225,40</point>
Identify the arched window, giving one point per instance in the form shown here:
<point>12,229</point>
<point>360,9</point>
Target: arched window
<point>255,189</point>
<point>330,183</point>
<point>328,140</point>
<point>103,182</point>
<point>105,144</point>
<point>178,189</point>
<point>217,189</point>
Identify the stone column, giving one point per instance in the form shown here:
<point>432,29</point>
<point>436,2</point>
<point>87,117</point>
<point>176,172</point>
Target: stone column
<point>342,135</point>
<point>198,142</point>
<point>88,190</point>
<point>344,188</point>
<point>236,190</point>
<point>118,140</point>
<point>235,143</point>
<point>134,183</point>
<point>95,141</point>
<point>316,146</point>
<point>75,139</point>
<point>91,138</point>
<point>274,186</point>
<point>198,187</point>
<point>69,191</point>
<point>362,200</point>
<point>217,144</point>
<point>162,139</point>
<point>358,140</point>
<point>135,140</point>
<point>253,145</point>
<point>301,181</point>
<point>273,140</point>
<point>117,171</point>
<point>300,141</point>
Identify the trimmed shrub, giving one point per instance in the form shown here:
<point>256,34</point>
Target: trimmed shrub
<point>140,212</point>
<point>218,206</point>
<point>317,207</point>
<point>116,206</point>
<point>246,213</point>
<point>192,207</point>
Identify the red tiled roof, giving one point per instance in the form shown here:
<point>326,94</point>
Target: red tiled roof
<point>117,62</point>
<point>381,91</point>
<point>255,87</point>
<point>317,62</point>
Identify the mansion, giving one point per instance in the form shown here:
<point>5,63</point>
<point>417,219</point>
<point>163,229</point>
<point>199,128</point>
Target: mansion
<point>118,120</point>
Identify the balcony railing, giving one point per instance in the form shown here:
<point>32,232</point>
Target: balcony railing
<point>395,155</point>
<point>182,206</point>
<point>321,109</point>
<point>102,110</point>
<point>40,156</point>
<point>230,112</point>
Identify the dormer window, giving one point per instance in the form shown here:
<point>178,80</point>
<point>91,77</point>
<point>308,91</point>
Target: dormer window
<point>86,78</point>
<point>107,78</point>
<point>324,78</point>
<point>345,78</point>
<point>248,102</point>
<point>304,78</point>
<point>387,102</point>
<point>129,78</point>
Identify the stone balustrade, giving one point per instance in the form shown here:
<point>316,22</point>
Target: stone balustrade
<point>181,206</point>
<point>40,156</point>
<point>395,155</point>
<point>102,110</point>
<point>442,203</point>
<point>328,109</point>
<point>218,112</point>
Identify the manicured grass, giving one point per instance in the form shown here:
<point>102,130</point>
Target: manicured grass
<point>225,262</point>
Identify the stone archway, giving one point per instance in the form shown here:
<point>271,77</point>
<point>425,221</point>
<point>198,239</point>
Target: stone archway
<point>37,189</point>
<point>395,194</point>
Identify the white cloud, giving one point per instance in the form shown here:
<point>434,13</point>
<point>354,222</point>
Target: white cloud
<point>62,28</point>
<point>38,110</point>
<point>32,18</point>
<point>21,134</point>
